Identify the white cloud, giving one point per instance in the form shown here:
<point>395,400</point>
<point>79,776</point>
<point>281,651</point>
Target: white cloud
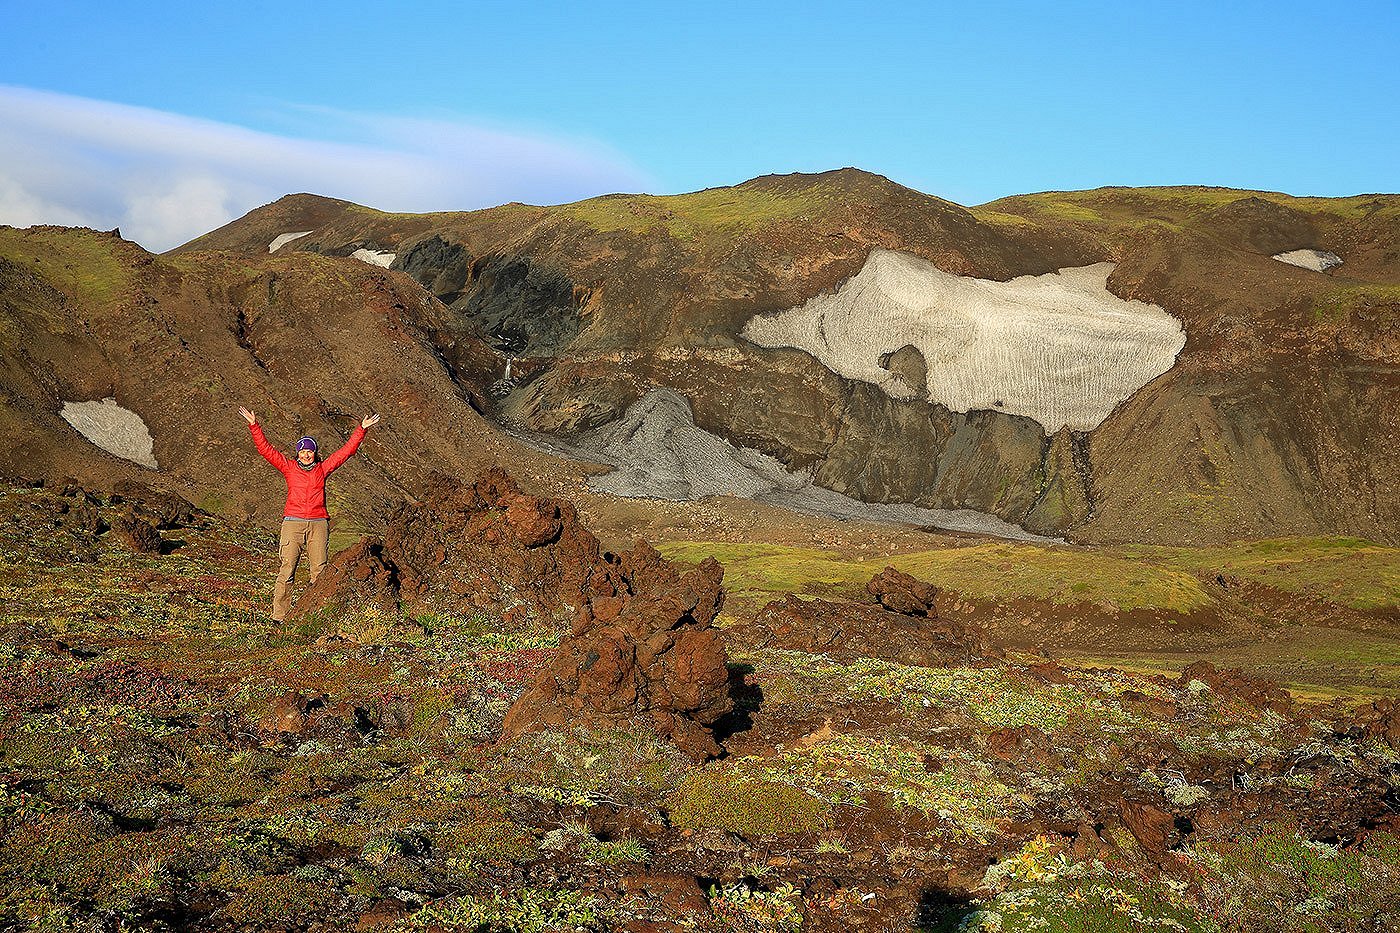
<point>166,178</point>
<point>21,207</point>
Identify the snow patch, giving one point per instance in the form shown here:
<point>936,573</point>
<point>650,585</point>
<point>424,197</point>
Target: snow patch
<point>1318,260</point>
<point>283,239</point>
<point>1059,348</point>
<point>657,452</point>
<point>115,429</point>
<point>374,257</point>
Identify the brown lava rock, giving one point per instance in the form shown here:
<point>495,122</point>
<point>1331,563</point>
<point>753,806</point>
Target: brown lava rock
<point>1154,829</point>
<point>904,627</point>
<point>651,653</point>
<point>138,534</point>
<point>901,593</point>
<point>1264,694</point>
<point>641,643</point>
<point>1379,720</point>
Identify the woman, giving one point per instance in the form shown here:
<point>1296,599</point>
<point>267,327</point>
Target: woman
<point>304,518</point>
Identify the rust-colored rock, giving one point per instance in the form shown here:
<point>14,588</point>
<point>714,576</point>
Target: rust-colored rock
<point>1234,683</point>
<point>863,630</point>
<point>899,592</point>
<point>1154,829</point>
<point>137,534</point>
<point>484,547</point>
<point>641,643</point>
<point>1379,720</point>
<point>659,658</point>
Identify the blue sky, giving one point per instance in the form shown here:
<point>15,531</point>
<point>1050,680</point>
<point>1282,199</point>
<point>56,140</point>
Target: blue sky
<point>170,123</point>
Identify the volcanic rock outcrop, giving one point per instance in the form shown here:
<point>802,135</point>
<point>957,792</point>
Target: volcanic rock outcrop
<point>648,651</point>
<point>66,523</point>
<point>640,642</point>
<point>903,626</point>
<point>1264,694</point>
<point>1379,720</point>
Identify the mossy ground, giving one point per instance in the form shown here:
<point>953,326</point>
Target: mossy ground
<point>1320,615</point>
<point>84,264</point>
<point>1177,206</point>
<point>983,571</point>
<point>143,784</point>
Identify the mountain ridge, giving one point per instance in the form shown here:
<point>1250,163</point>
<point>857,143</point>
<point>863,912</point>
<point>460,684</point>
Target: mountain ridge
<point>1274,417</point>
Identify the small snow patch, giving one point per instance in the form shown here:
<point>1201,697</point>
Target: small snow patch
<point>283,239</point>
<point>1318,260</point>
<point>115,429</point>
<point>374,257</point>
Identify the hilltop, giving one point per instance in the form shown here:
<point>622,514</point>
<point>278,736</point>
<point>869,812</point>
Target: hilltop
<point>1260,425</point>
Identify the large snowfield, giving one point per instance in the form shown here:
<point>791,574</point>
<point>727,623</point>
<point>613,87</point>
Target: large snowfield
<point>1059,348</point>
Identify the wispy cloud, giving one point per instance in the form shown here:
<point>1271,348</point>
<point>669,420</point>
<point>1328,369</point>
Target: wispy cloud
<point>165,178</point>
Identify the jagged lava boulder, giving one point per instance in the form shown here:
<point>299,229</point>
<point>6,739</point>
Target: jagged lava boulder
<point>1378,720</point>
<point>899,592</point>
<point>1264,694</point>
<point>641,642</point>
<point>903,626</point>
<point>652,652</point>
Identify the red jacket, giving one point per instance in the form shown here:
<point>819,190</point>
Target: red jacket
<point>306,489</point>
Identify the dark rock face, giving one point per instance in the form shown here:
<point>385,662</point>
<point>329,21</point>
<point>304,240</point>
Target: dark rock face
<point>641,643</point>
<point>522,307</point>
<point>441,267</point>
<point>981,460</point>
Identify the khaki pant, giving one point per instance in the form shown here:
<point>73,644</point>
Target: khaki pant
<point>297,536</point>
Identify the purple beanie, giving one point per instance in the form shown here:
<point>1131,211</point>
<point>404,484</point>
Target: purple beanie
<point>306,443</point>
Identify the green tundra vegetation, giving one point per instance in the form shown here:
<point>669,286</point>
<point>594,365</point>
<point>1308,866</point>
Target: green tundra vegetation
<point>170,759</point>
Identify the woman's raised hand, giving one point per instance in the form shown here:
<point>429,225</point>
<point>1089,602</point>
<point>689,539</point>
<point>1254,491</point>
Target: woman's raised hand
<point>369,421</point>
<point>248,416</point>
